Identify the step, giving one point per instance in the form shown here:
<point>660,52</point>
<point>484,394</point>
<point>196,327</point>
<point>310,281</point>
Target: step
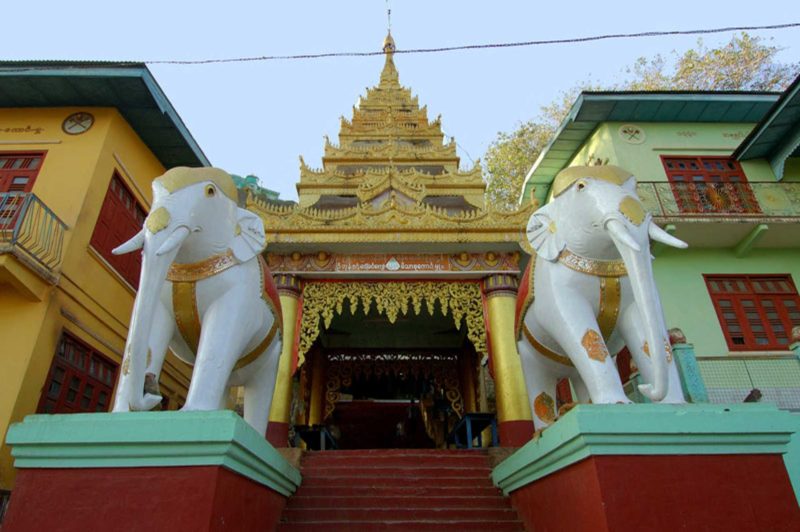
<point>382,481</point>
<point>384,490</point>
<point>355,515</point>
<point>395,460</point>
<point>404,526</point>
<point>395,472</point>
<point>300,502</point>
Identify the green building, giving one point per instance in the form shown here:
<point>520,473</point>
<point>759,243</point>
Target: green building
<point>721,171</point>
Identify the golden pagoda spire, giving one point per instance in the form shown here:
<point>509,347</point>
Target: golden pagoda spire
<point>389,75</point>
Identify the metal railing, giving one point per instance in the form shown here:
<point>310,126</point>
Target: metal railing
<point>29,225</point>
<point>731,378</point>
<point>754,199</point>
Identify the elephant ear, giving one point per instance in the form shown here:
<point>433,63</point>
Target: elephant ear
<point>543,235</point>
<point>250,238</point>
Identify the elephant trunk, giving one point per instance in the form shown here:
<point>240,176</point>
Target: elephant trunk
<point>640,272</point>
<point>155,263</point>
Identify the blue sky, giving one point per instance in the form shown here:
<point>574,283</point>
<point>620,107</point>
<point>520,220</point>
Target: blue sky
<point>258,117</point>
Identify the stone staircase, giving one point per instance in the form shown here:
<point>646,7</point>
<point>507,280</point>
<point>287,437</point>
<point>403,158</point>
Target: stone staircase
<point>398,489</point>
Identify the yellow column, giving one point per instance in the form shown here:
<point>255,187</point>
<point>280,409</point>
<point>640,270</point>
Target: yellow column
<point>281,410</point>
<point>513,409</point>
<point>467,368</point>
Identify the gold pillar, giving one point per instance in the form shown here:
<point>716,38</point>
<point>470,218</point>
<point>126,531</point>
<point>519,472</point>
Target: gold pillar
<point>467,369</point>
<point>316,407</point>
<point>513,408</point>
<point>289,292</point>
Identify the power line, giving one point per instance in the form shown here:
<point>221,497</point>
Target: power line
<point>478,46</point>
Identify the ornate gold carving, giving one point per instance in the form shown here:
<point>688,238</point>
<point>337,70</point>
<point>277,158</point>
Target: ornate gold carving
<point>419,222</point>
<point>463,300</point>
<point>126,364</point>
<point>646,349</point>
<point>181,177</point>
<point>600,268</point>
<point>593,343</point>
<point>608,311</point>
<point>544,350</point>
<point>632,209</point>
<point>441,368</point>
<point>196,271</point>
<point>545,407</point>
<point>158,220</point>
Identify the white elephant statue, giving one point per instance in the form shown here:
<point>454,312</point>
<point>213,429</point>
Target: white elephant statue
<point>205,293</point>
<point>589,290</point>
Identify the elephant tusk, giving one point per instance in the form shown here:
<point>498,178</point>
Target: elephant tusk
<point>620,233</point>
<point>174,241</point>
<point>136,242</point>
<point>659,235</point>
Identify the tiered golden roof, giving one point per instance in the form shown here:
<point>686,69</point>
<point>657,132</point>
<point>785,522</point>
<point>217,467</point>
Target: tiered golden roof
<point>392,170</point>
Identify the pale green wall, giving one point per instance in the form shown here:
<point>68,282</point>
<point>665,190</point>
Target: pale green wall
<point>684,296</point>
<point>669,139</point>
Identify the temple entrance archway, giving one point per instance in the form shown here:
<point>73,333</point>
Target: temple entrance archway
<point>387,374</point>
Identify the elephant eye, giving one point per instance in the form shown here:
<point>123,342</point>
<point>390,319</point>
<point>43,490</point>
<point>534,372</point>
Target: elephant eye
<point>581,185</point>
<point>210,191</point>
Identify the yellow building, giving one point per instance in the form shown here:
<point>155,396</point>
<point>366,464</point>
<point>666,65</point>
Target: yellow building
<point>79,147</point>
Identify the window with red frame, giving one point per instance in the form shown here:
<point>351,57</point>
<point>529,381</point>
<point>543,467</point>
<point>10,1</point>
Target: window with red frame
<point>121,217</point>
<point>756,312</point>
<point>18,172</point>
<point>715,185</point>
<point>80,380</point>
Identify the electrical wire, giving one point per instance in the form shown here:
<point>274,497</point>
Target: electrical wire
<point>441,49</point>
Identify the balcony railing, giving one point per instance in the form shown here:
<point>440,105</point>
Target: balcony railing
<point>27,225</point>
<point>714,200</point>
<point>729,379</point>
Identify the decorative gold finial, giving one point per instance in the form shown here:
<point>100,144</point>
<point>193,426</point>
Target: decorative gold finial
<point>388,43</point>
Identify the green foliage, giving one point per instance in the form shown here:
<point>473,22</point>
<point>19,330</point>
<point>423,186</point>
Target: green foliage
<point>744,63</point>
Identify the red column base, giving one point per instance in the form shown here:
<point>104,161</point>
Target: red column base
<point>515,433</point>
<point>663,493</point>
<point>278,434</point>
<point>198,498</point>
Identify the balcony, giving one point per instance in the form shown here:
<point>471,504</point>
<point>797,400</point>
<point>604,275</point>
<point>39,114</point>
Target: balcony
<point>31,243</point>
<point>746,215</point>
<point>729,379</point>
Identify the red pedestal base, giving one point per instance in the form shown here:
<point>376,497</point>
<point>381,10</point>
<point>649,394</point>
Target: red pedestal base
<point>666,492</point>
<point>278,434</point>
<point>197,498</point>
<point>515,433</point>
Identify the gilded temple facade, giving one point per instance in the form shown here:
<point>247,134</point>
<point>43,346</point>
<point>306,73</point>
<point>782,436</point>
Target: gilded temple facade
<point>398,284</point>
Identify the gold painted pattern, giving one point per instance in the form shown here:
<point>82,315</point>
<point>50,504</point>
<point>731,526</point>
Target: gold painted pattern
<point>608,312</point>
<point>182,177</point>
<point>646,349</point>
<point>157,220</point>
<point>544,350</point>
<point>609,173</point>
<point>197,271</point>
<point>632,209</point>
<point>324,300</point>
<point>593,343</point>
<point>187,318</point>
<point>598,268</point>
<point>545,407</point>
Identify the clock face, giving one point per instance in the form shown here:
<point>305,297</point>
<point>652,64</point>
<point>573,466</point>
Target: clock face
<point>77,123</point>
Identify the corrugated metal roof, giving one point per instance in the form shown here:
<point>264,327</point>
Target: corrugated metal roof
<point>593,108</point>
<point>128,87</point>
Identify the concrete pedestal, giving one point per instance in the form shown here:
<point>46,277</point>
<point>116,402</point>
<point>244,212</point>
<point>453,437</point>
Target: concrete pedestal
<point>145,471</point>
<point>656,467</point>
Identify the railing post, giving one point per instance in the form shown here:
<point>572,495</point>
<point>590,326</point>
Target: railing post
<point>694,388</point>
